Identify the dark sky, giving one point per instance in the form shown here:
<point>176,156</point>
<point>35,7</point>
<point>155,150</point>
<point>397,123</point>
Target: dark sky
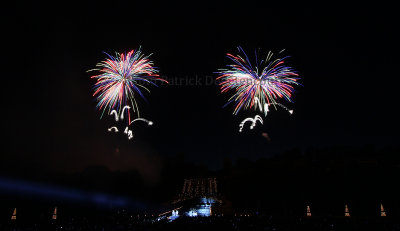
<point>346,59</point>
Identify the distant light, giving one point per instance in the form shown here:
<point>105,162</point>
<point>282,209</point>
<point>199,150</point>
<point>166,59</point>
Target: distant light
<point>54,216</point>
<point>14,215</point>
<point>346,211</point>
<point>383,213</point>
<point>308,211</point>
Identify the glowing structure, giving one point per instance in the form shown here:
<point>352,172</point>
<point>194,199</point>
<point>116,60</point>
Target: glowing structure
<point>54,216</point>
<point>121,78</point>
<point>203,209</point>
<point>192,213</point>
<point>198,195</point>
<point>197,188</point>
<point>383,212</point>
<point>308,211</point>
<point>14,214</point>
<point>346,211</point>
<point>175,212</point>
<point>268,80</point>
<point>252,120</point>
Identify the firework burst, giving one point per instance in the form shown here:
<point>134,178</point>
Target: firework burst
<point>121,78</point>
<point>268,81</point>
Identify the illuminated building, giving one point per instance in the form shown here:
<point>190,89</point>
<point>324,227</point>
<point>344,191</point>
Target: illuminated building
<point>200,197</point>
<point>199,187</point>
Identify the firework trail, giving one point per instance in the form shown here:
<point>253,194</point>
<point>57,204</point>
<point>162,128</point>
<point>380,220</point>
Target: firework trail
<point>266,106</point>
<point>257,102</point>
<point>283,106</point>
<point>115,114</point>
<point>122,113</point>
<point>144,120</point>
<point>252,120</point>
<point>268,80</point>
<point>121,78</point>
<point>113,128</point>
<point>127,131</point>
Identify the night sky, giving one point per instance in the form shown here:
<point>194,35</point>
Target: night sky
<point>346,59</point>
